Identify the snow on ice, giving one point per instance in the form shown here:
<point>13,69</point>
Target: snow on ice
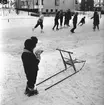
<point>83,88</point>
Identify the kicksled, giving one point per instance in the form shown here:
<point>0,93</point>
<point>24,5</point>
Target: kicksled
<point>68,62</point>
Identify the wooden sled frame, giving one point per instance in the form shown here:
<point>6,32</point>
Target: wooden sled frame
<point>70,61</point>
<point>66,61</point>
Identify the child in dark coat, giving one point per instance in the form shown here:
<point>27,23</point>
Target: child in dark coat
<point>82,21</point>
<point>30,64</point>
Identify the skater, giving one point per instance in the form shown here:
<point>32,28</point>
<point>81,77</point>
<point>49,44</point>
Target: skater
<point>39,22</point>
<point>95,20</point>
<point>61,18</point>
<point>66,19</point>
<point>75,18</point>
<point>69,17</point>
<point>30,64</point>
<point>82,21</point>
<point>56,23</point>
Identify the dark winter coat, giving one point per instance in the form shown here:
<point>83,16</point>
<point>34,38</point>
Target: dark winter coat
<point>75,19</point>
<point>69,14</point>
<point>30,63</point>
<point>66,16</point>
<point>57,16</point>
<point>61,15</point>
<point>95,18</point>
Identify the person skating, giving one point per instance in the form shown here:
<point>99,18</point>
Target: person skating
<point>56,23</point>
<point>69,17</point>
<point>75,18</point>
<point>95,20</point>
<point>61,18</point>
<point>82,21</point>
<point>30,64</point>
<point>66,19</point>
<point>39,22</point>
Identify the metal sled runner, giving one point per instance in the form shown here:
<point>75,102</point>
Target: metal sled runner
<point>66,61</point>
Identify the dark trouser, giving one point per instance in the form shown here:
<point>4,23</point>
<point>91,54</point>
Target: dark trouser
<point>65,22</point>
<point>61,21</point>
<point>56,24</point>
<point>31,79</point>
<point>74,27</point>
<point>68,22</point>
<point>96,25</point>
<point>39,23</point>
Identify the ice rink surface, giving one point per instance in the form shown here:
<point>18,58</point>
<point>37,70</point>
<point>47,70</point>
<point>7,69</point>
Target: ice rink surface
<point>84,88</point>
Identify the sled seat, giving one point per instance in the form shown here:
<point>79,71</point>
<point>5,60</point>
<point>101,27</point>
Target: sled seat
<point>69,60</point>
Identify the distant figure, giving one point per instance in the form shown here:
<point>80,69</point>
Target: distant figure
<point>75,18</point>
<point>61,18</point>
<point>95,20</point>
<point>39,22</point>
<point>56,23</point>
<point>82,21</point>
<point>67,17</point>
<point>30,64</point>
